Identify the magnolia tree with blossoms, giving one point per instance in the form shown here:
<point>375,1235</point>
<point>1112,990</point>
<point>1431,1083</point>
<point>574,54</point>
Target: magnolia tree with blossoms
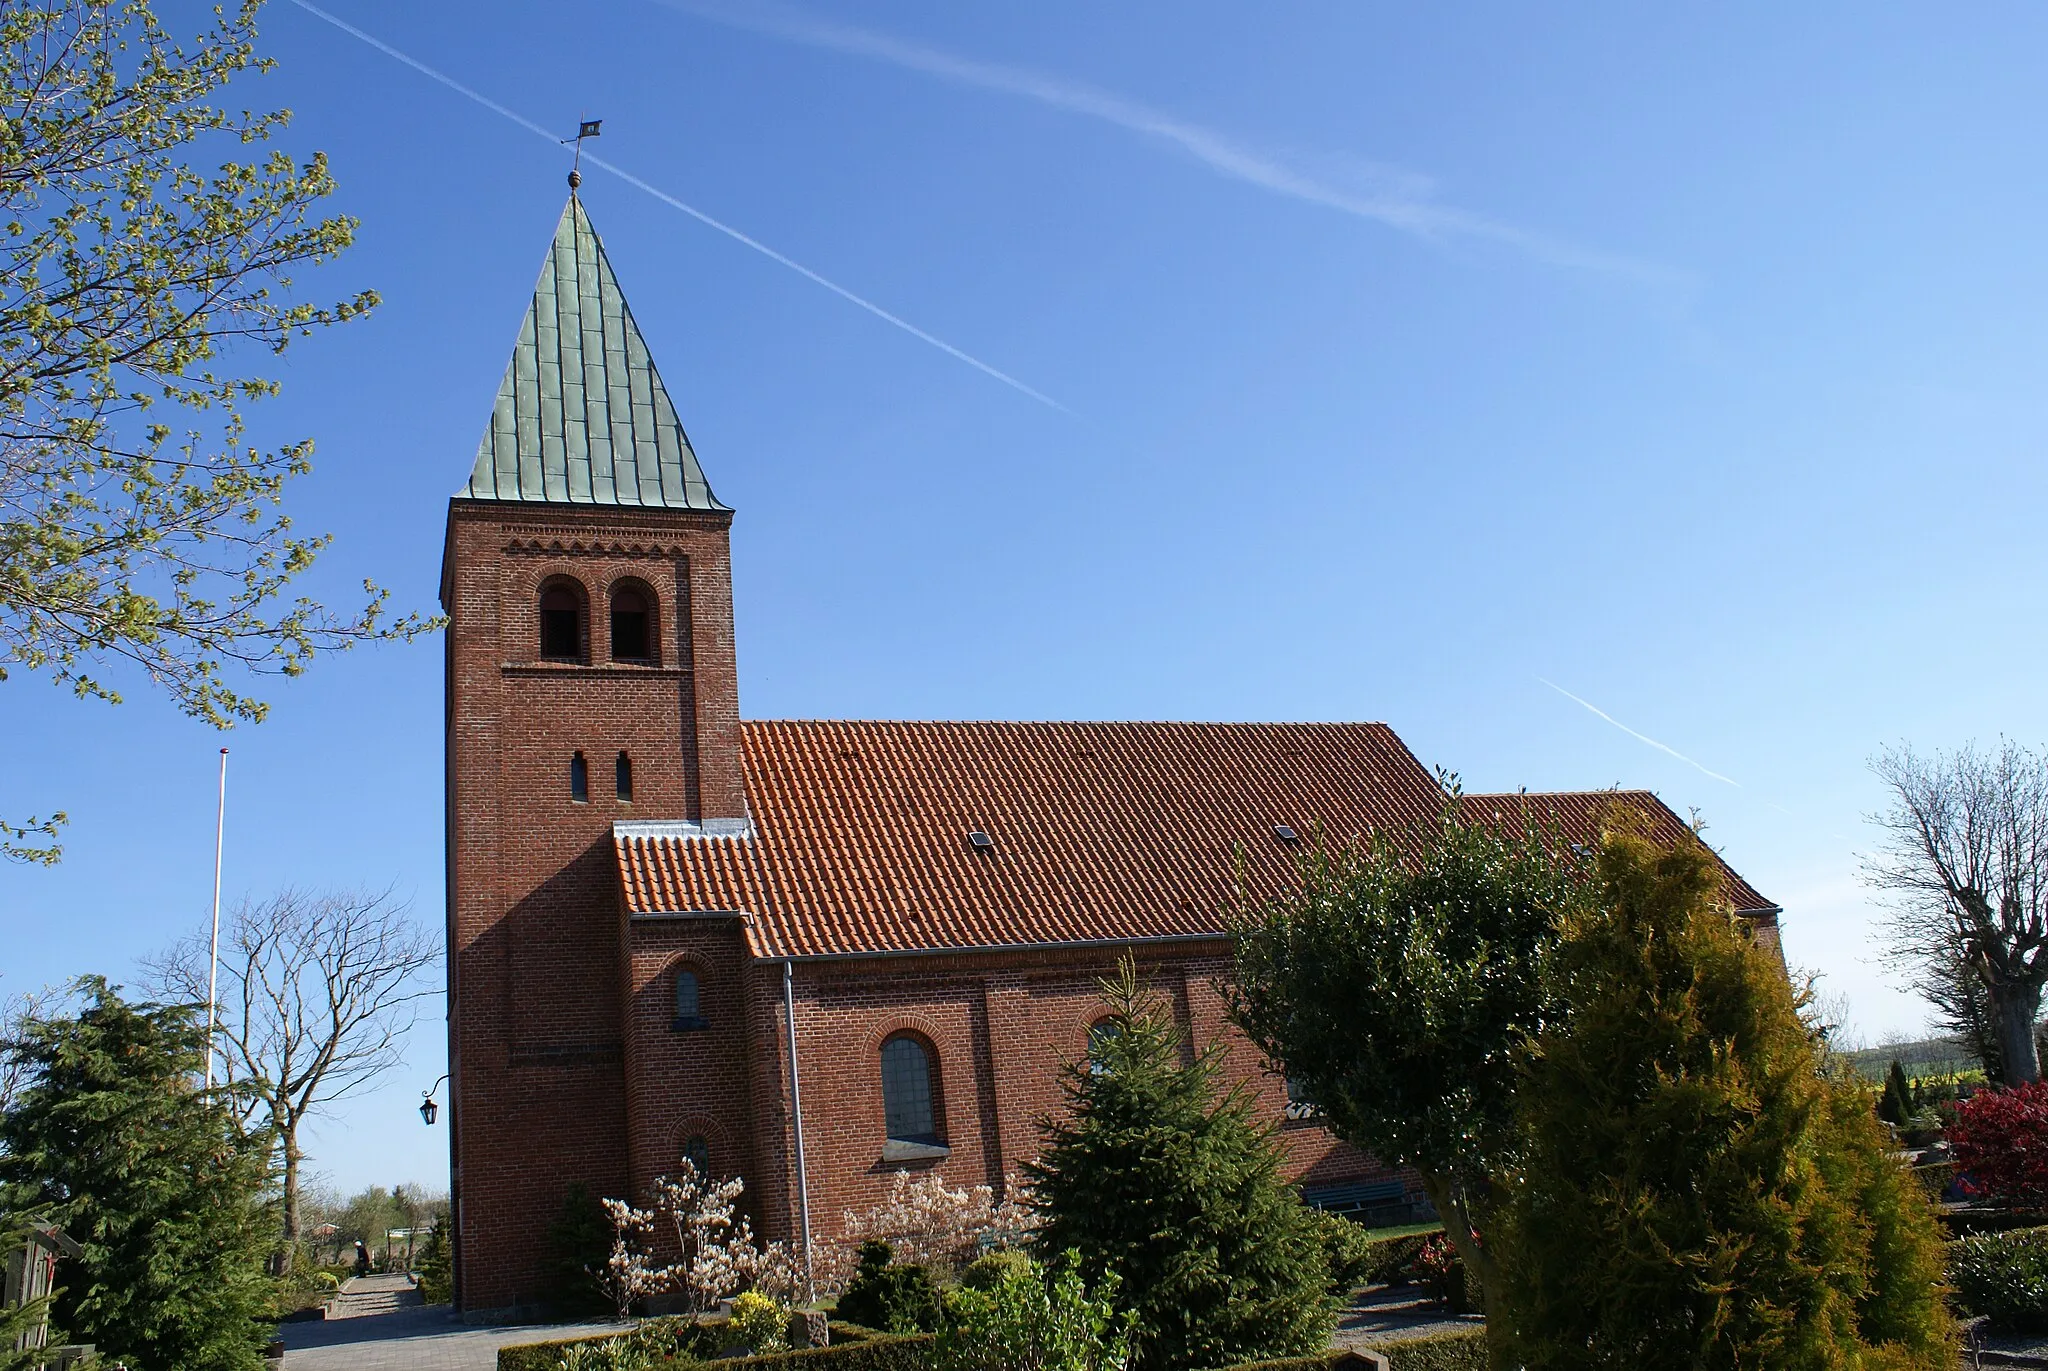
<point>714,1243</point>
<point>928,1224</point>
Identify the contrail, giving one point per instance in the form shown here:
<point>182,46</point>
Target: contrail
<point>1383,194</point>
<point>728,230</point>
<point>1640,737</point>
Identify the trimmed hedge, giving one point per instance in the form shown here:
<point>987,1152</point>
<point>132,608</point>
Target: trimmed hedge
<point>852,1349</point>
<point>2003,1276</point>
<point>1460,1349</point>
<point>880,1352</point>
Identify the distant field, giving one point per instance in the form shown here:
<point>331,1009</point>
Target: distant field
<point>1929,1057</point>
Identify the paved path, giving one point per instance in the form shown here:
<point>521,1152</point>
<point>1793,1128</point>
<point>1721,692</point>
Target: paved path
<point>1381,1313</point>
<point>379,1324</point>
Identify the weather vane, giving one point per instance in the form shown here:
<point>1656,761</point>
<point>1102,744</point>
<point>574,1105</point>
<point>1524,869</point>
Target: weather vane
<point>585,129</point>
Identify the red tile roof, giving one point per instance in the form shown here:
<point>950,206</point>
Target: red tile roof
<point>1577,813</point>
<point>1101,831</point>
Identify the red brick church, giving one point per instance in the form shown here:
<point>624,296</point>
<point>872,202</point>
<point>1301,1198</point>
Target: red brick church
<point>812,953</point>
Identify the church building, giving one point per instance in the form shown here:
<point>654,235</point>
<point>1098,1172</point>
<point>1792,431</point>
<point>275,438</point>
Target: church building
<point>810,953</point>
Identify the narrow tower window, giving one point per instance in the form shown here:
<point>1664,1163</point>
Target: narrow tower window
<point>689,1005</point>
<point>629,627</point>
<point>579,779</point>
<point>625,779</point>
<point>561,625</point>
<point>697,1152</point>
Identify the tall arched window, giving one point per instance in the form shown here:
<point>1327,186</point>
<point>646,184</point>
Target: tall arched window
<point>632,625</point>
<point>579,779</point>
<point>1100,1033</point>
<point>689,1007</point>
<point>907,1094</point>
<point>561,623</point>
<point>697,1152</point>
<point>622,778</point>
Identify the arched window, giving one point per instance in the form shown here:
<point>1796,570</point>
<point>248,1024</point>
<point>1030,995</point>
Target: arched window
<point>623,773</point>
<point>632,625</point>
<point>561,623</point>
<point>1101,1032</point>
<point>697,1152</point>
<point>579,779</point>
<point>907,1091</point>
<point>689,1009</point>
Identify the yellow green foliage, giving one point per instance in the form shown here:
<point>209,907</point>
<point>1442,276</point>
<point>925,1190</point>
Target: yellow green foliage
<point>1691,1190</point>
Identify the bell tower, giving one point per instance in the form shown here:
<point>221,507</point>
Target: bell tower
<point>590,678</point>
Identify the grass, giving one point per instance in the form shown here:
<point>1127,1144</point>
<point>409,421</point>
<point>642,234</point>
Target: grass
<point>1405,1230</point>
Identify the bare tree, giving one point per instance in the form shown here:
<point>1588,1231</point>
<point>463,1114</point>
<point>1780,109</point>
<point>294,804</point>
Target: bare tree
<point>316,992</point>
<point>15,1011</point>
<point>1966,864</point>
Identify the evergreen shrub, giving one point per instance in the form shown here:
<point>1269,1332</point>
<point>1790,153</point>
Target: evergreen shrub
<point>1352,1257</point>
<point>152,1175</point>
<point>579,1243</point>
<point>2004,1277</point>
<point>1157,1173</point>
<point>986,1272</point>
<point>1691,1189</point>
<point>890,1297</point>
<point>436,1265</point>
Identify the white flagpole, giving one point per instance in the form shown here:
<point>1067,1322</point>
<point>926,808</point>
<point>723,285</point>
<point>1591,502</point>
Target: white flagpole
<point>220,824</point>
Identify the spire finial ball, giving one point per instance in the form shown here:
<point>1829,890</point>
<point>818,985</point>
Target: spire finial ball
<point>575,179</point>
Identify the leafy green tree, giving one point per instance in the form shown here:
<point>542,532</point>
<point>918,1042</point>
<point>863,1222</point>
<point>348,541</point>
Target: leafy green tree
<point>1689,1189</point>
<point>1162,1177</point>
<point>1394,984</point>
<point>579,1242</point>
<point>1022,1318</point>
<point>152,1176</point>
<point>137,525</point>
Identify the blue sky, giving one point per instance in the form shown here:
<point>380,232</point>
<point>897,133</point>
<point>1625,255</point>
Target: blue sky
<point>1400,362</point>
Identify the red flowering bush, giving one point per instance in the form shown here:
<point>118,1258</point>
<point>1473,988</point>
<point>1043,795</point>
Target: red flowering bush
<point>2000,1139</point>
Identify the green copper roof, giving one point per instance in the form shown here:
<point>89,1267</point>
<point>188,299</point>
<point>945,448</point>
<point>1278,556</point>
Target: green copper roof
<point>582,417</point>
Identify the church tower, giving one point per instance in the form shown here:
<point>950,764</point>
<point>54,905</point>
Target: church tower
<point>590,679</point>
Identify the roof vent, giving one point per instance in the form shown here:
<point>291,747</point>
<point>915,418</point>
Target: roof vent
<point>1285,833</point>
<point>980,841</point>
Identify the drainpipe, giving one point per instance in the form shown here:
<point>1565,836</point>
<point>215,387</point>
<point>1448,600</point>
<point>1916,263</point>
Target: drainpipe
<point>796,1107</point>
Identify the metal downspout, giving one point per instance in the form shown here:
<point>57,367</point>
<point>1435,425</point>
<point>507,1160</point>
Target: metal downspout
<point>796,1108</point>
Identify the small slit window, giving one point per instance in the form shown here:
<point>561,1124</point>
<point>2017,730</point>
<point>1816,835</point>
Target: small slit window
<point>631,641</point>
<point>689,1006</point>
<point>579,779</point>
<point>561,624</point>
<point>697,1152</point>
<point>907,1091</point>
<point>624,778</point>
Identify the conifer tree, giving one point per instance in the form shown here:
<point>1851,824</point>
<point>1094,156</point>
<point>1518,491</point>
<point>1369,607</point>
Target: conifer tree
<point>1163,1177</point>
<point>152,1176</point>
<point>1692,1191</point>
<point>1897,1104</point>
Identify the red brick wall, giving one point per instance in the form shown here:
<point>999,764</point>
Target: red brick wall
<point>1002,1024</point>
<point>536,1052</point>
